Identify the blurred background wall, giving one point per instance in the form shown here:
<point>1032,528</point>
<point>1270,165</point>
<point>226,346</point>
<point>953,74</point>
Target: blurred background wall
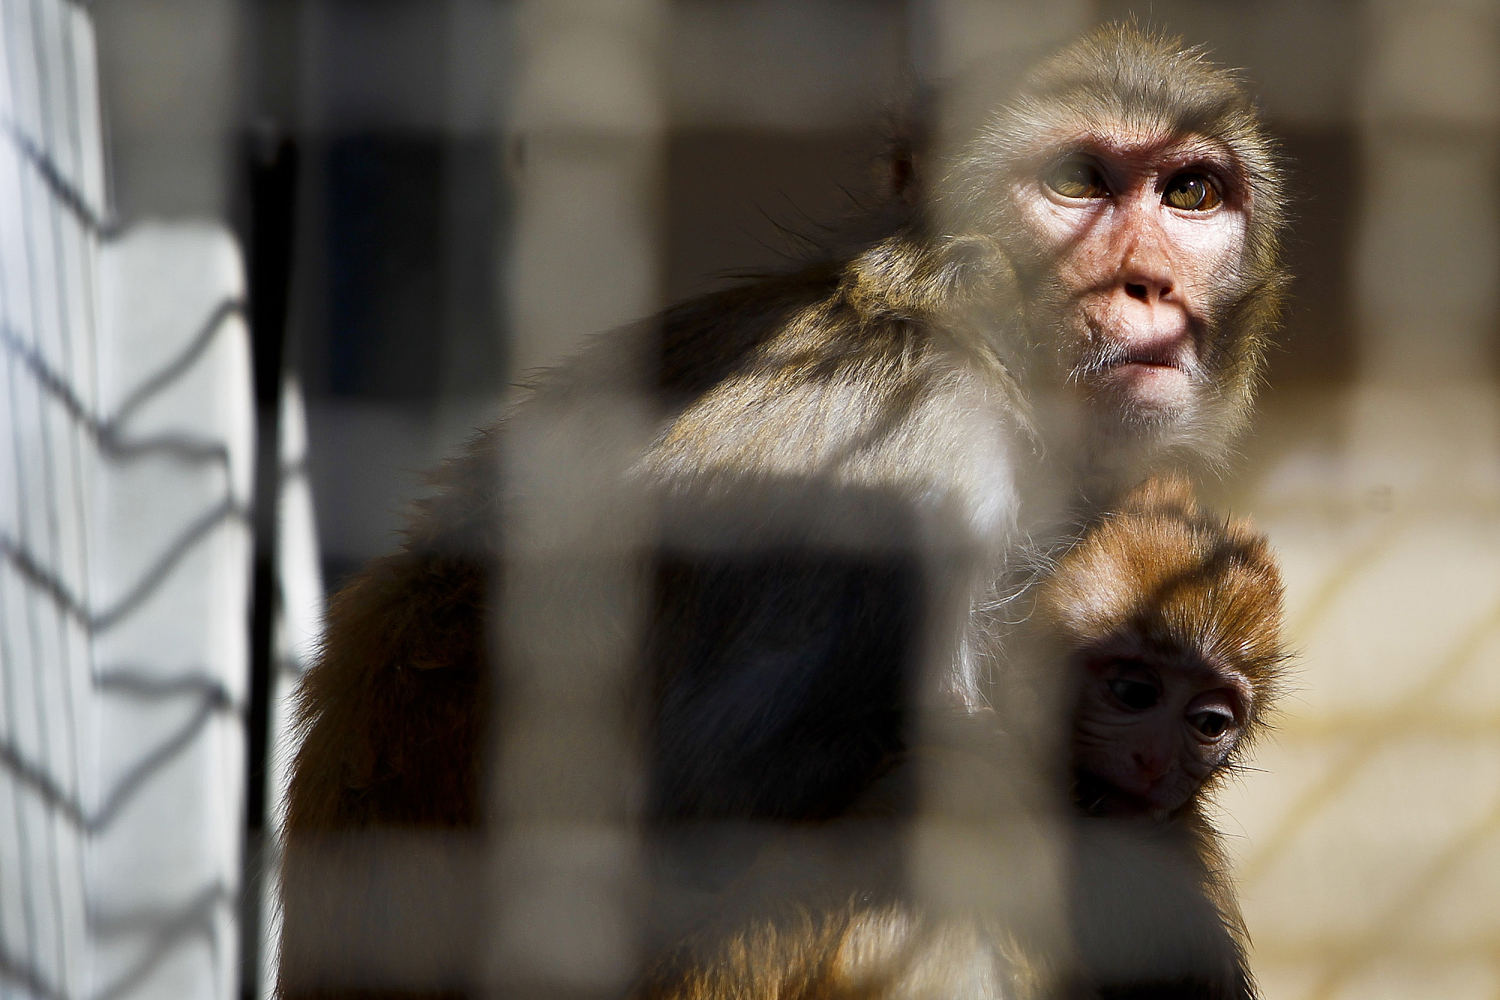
<point>482,184</point>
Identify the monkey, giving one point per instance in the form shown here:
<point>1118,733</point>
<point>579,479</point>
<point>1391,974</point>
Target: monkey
<point>1167,623</point>
<point>1172,620</point>
<point>835,469</point>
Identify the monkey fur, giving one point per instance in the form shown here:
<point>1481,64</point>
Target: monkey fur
<point>835,471</point>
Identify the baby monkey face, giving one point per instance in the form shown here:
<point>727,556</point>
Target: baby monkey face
<point>1150,728</point>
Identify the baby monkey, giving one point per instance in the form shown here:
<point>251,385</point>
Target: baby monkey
<point>1170,621</point>
<point>1171,618</point>
<point>1166,622</point>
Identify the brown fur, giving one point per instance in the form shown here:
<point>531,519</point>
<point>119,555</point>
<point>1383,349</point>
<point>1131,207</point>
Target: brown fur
<point>840,462</point>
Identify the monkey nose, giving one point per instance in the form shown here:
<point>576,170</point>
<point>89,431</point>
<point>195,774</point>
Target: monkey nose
<point>1151,765</point>
<point>1148,292</point>
<point>1146,272</point>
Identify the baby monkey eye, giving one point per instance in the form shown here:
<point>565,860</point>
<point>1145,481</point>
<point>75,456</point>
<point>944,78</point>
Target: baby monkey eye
<point>1192,192</point>
<point>1137,696</point>
<point>1076,177</point>
<point>1210,724</point>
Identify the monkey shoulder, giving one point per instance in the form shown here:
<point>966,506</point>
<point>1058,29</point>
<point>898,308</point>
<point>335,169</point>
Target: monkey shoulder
<point>815,394</point>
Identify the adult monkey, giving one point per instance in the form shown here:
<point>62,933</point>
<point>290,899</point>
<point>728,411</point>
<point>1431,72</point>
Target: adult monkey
<point>1080,287</point>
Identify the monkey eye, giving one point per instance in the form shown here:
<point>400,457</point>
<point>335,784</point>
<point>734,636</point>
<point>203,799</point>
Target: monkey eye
<point>1137,696</point>
<point>1192,191</point>
<point>1076,177</point>
<point>1211,724</point>
<point>1214,716</point>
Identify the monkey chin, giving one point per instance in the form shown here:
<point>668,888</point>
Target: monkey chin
<point>1147,393</point>
<point>1138,413</point>
<point>1133,416</point>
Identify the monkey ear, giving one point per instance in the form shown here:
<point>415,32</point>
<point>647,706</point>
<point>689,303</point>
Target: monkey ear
<point>900,176</point>
<point>908,131</point>
<point>903,180</point>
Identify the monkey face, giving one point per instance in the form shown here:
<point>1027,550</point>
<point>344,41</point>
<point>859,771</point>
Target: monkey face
<point>1139,241</point>
<point>1149,731</point>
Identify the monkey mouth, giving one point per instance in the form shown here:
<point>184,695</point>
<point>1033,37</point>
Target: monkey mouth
<point>1165,357</point>
<point>1108,356</point>
<point>1173,353</point>
<point>1115,345</point>
<point>1145,384</point>
<point>1095,796</point>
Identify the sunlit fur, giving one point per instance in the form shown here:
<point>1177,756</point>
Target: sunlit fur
<point>838,468</point>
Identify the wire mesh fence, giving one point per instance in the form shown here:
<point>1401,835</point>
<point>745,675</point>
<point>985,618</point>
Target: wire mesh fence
<point>486,185</point>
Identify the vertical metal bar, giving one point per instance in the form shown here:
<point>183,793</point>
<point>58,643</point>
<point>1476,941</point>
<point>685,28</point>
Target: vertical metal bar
<point>272,161</point>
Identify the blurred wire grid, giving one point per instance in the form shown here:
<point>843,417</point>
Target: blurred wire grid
<point>484,184</point>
